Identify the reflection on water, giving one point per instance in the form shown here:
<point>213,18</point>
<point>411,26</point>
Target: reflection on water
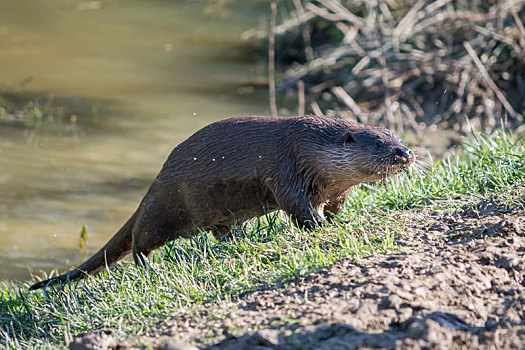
<point>141,76</point>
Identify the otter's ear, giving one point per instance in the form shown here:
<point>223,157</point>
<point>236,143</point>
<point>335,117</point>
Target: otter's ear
<point>349,138</point>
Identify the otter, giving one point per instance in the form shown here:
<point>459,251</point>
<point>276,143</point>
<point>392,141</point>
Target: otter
<point>244,167</point>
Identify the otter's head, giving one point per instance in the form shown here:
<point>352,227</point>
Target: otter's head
<point>359,153</point>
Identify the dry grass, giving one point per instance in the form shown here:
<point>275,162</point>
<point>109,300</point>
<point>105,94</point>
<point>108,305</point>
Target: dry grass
<point>405,63</point>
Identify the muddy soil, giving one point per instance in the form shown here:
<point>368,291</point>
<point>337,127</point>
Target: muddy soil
<point>457,283</point>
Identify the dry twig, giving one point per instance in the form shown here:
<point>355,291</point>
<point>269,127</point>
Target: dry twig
<point>271,58</point>
<point>490,82</point>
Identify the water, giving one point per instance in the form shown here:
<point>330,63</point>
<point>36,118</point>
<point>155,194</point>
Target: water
<point>142,76</point>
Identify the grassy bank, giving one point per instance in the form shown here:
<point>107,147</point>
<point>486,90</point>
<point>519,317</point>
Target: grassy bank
<point>188,273</point>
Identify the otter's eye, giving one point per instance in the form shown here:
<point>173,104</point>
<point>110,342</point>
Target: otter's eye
<point>349,138</point>
<point>379,144</point>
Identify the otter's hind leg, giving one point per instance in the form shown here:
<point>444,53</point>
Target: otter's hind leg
<point>151,232</point>
<point>221,231</point>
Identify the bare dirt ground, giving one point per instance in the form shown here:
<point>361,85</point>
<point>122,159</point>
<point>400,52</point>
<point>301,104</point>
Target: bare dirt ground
<point>459,282</point>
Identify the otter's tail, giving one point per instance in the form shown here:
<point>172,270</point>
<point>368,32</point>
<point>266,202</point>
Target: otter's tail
<point>118,247</point>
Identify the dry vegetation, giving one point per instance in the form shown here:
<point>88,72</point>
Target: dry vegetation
<point>404,63</point>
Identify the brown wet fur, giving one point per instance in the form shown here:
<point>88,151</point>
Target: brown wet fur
<point>246,166</point>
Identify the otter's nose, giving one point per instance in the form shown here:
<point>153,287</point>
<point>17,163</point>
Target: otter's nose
<point>405,154</point>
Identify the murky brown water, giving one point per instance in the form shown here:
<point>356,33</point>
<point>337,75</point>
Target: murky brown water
<point>155,71</point>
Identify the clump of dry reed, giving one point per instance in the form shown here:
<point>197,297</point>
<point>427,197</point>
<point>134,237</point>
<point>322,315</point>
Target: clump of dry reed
<point>404,63</point>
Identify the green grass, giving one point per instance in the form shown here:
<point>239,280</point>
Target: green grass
<point>33,114</point>
<point>190,272</point>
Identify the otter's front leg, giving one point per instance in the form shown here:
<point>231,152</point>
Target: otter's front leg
<point>334,206</point>
<point>307,220</point>
<point>305,212</point>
